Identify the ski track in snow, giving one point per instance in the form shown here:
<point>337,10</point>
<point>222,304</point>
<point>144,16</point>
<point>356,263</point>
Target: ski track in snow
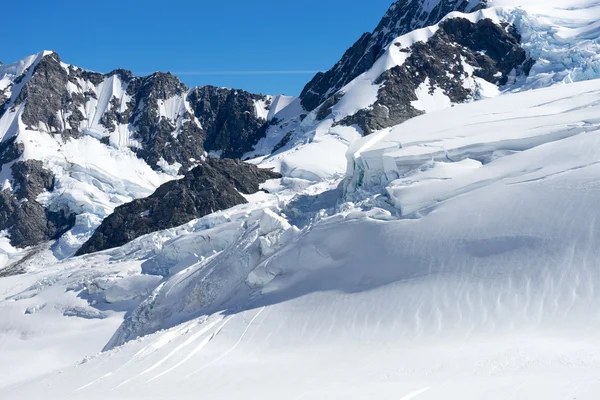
<point>147,350</point>
<point>231,349</point>
<point>460,257</point>
<point>202,344</point>
<point>415,394</point>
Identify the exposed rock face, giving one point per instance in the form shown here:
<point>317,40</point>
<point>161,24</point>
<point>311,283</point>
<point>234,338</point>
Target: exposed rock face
<point>31,179</point>
<point>177,141</point>
<point>214,185</point>
<point>402,17</point>
<point>47,96</point>
<point>327,106</point>
<point>3,101</point>
<point>216,119</point>
<point>491,51</point>
<point>228,119</point>
<point>10,150</point>
<point>166,124</point>
<point>26,220</point>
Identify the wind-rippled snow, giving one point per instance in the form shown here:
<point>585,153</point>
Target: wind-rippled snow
<point>458,260</point>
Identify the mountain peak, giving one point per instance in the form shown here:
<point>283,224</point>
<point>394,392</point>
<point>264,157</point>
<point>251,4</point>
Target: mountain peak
<point>45,53</point>
<point>410,234</point>
<point>402,17</point>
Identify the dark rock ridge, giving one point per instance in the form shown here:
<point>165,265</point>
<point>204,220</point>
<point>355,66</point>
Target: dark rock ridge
<point>228,120</point>
<point>159,136</point>
<point>213,185</point>
<point>53,99</point>
<point>27,221</point>
<point>10,150</point>
<point>224,120</point>
<point>46,96</point>
<point>402,17</point>
<point>493,52</point>
<point>3,101</point>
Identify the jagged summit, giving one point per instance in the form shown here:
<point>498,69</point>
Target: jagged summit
<point>402,17</point>
<point>106,139</point>
<point>432,234</point>
<point>73,89</point>
<point>54,112</point>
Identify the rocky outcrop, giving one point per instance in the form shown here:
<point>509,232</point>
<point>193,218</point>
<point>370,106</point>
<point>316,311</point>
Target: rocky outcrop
<point>172,127</point>
<point>213,185</point>
<point>47,97</point>
<point>402,17</point>
<point>216,119</point>
<point>492,52</point>
<point>28,223</point>
<point>3,101</point>
<point>177,140</point>
<point>228,118</point>
<point>10,150</point>
<point>165,123</point>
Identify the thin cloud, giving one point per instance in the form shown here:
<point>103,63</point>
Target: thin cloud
<point>279,72</point>
<point>206,73</point>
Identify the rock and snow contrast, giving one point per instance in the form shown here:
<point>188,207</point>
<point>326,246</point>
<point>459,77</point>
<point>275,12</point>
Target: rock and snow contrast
<point>76,144</point>
<point>418,224</point>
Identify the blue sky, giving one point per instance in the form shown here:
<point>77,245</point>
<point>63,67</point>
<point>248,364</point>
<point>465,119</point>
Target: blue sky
<point>217,42</point>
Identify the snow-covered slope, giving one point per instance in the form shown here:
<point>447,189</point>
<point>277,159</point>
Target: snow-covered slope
<point>403,16</point>
<point>436,160</point>
<point>60,312</point>
<point>491,294</point>
<point>450,256</point>
<point>76,144</point>
<point>550,44</point>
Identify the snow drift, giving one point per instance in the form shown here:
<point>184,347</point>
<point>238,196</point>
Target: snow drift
<point>453,256</point>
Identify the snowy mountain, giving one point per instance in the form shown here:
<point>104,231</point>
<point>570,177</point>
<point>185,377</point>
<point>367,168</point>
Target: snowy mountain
<point>508,47</point>
<point>402,17</point>
<point>76,144</point>
<point>431,235</point>
<point>214,185</point>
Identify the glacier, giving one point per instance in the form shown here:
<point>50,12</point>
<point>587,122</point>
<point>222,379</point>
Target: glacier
<point>562,40</point>
<point>492,286</point>
<point>452,256</point>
